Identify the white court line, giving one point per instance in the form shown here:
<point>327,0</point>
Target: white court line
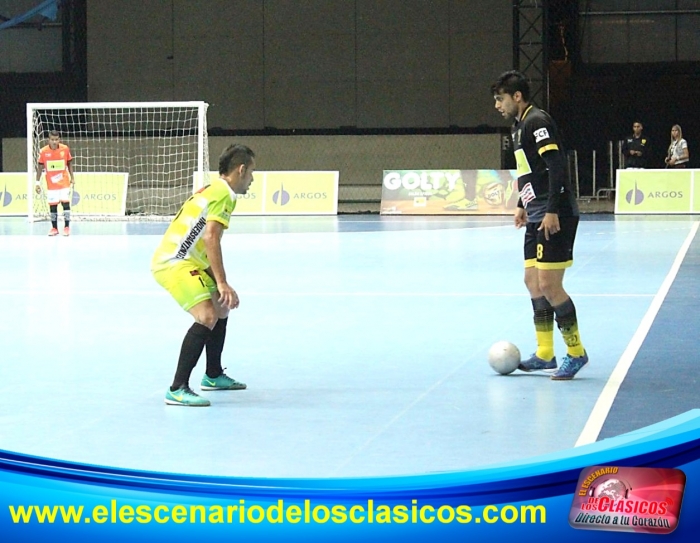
<point>354,454</point>
<point>602,407</point>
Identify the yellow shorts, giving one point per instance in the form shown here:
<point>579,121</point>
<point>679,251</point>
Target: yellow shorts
<point>186,283</point>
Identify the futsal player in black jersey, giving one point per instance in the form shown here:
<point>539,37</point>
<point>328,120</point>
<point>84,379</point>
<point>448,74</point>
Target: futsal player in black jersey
<point>548,210</point>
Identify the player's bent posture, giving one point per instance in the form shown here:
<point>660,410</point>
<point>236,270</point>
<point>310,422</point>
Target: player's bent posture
<point>188,263</point>
<point>547,208</point>
<point>55,158</point>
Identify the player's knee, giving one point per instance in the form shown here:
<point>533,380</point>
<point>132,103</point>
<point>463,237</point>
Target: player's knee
<point>551,289</point>
<point>223,313</point>
<point>209,319</point>
<point>66,206</point>
<point>531,282</point>
<point>205,314</point>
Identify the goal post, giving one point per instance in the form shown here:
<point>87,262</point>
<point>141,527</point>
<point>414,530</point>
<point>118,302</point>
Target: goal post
<point>157,147</point>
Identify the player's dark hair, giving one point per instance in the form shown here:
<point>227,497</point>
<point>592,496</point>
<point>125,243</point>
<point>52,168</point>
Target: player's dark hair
<point>55,133</point>
<point>233,156</point>
<point>511,82</point>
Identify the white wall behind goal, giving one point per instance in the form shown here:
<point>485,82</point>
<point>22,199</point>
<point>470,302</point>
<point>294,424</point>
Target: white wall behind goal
<point>360,160</point>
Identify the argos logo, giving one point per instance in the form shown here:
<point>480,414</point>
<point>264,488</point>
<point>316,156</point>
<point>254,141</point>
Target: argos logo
<point>634,196</point>
<point>281,196</point>
<point>5,197</point>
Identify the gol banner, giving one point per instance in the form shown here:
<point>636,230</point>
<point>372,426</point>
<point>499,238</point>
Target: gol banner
<point>449,192</point>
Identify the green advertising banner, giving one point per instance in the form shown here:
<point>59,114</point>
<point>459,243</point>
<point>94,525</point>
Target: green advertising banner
<point>657,191</point>
<point>449,192</point>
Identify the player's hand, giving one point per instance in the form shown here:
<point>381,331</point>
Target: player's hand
<point>550,225</point>
<point>227,296</point>
<point>519,217</point>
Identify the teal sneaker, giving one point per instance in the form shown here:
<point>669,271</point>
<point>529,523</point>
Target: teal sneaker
<point>222,382</point>
<point>570,367</point>
<point>535,363</point>
<point>185,396</point>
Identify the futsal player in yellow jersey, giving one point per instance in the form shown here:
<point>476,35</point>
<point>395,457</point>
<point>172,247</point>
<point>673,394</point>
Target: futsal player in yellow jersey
<point>188,263</point>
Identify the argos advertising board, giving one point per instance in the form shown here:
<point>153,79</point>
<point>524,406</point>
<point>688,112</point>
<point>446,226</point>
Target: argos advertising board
<point>288,193</point>
<point>657,191</point>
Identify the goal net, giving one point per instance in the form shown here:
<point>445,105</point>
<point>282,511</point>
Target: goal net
<point>132,160</point>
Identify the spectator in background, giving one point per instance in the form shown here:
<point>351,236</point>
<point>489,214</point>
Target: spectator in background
<point>678,154</point>
<point>636,148</point>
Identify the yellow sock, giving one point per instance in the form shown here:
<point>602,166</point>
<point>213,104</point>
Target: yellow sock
<point>568,326</point>
<point>545,340</point>
<point>574,347</point>
<point>544,328</point>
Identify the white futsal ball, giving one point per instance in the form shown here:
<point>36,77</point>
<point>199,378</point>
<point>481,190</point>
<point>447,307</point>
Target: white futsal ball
<point>504,357</point>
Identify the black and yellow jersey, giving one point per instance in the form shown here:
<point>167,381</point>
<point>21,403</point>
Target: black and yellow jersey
<point>535,135</point>
<point>641,145</point>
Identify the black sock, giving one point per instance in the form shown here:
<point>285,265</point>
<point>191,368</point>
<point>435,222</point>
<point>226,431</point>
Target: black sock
<point>565,314</point>
<point>66,213</point>
<point>54,215</point>
<point>215,347</point>
<point>192,347</point>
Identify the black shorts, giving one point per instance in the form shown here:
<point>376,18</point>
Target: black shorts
<point>553,254</point>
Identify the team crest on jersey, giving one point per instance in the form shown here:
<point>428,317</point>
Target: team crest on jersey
<point>527,194</point>
<point>517,137</point>
<point>541,134</point>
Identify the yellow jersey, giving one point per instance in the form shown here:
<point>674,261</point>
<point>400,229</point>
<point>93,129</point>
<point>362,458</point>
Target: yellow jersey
<point>182,240</point>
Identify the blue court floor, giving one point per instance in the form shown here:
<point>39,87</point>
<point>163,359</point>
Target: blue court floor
<point>362,339</point>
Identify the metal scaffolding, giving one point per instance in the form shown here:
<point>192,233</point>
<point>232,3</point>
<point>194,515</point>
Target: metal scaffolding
<point>530,33</point>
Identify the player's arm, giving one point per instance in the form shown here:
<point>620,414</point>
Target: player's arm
<point>556,169</point>
<point>520,215</point>
<point>39,172</point>
<point>70,172</point>
<point>626,148</point>
<point>212,242</point>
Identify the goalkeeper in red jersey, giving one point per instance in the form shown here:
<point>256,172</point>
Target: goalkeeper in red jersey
<point>56,160</point>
